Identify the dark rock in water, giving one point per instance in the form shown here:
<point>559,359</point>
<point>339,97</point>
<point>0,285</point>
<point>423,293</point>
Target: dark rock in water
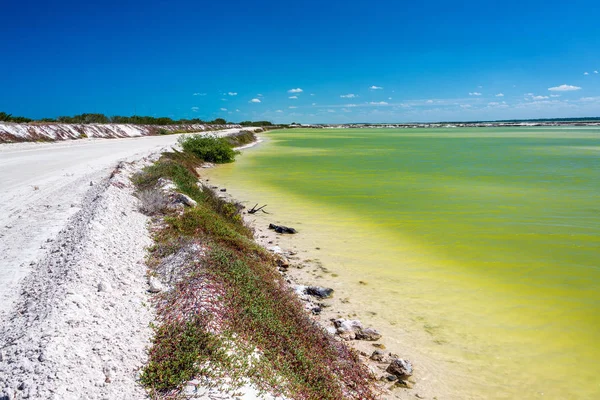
<point>368,334</point>
<point>391,378</point>
<point>378,355</point>
<point>400,367</point>
<point>223,190</point>
<point>320,292</point>
<point>282,229</point>
<point>283,263</point>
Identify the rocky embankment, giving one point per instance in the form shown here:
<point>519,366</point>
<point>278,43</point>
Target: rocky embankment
<point>32,132</point>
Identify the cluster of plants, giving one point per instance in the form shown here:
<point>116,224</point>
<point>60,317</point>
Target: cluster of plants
<point>256,123</point>
<point>4,117</point>
<point>210,149</point>
<point>231,313</point>
<point>134,119</point>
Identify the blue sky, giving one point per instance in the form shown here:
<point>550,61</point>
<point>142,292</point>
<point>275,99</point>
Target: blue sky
<point>309,61</point>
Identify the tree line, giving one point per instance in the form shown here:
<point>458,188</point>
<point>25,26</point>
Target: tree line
<point>5,117</point>
<point>96,118</point>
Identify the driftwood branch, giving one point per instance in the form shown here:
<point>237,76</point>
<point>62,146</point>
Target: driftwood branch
<point>254,210</point>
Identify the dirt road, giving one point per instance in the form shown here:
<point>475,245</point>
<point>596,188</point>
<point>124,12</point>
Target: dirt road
<point>42,185</point>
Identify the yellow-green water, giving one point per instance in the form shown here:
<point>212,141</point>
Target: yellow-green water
<point>480,246</point>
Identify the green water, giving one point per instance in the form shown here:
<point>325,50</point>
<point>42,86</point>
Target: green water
<point>482,245</point>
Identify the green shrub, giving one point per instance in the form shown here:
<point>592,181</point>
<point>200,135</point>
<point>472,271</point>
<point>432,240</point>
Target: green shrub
<point>211,149</point>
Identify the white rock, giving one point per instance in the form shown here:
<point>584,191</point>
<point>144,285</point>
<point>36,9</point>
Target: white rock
<point>275,250</point>
<point>347,329</point>
<point>155,285</point>
<point>104,287</point>
<point>166,185</point>
<point>343,325</point>
<point>187,200</point>
<point>300,290</point>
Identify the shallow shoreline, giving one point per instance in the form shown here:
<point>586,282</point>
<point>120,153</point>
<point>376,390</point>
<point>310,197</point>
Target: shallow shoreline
<point>305,269</point>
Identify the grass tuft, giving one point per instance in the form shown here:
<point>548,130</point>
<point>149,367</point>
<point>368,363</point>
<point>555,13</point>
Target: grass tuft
<point>177,351</point>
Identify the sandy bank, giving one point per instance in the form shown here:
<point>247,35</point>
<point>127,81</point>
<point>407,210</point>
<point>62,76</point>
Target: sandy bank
<point>27,132</point>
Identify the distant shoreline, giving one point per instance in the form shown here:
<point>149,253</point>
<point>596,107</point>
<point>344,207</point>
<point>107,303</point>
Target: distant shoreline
<point>498,124</point>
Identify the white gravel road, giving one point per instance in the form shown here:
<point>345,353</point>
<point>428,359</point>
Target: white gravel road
<point>42,185</point>
<point>75,310</point>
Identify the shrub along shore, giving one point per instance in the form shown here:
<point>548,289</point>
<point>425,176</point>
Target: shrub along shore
<point>224,312</point>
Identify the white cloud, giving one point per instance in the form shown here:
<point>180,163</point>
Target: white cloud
<point>292,107</point>
<point>586,73</point>
<point>297,90</point>
<point>586,99</point>
<point>380,103</point>
<point>498,105</point>
<point>195,109</point>
<point>348,96</point>
<point>474,94</point>
<point>232,93</point>
<point>540,97</point>
<point>595,72</point>
<point>389,98</point>
<point>255,101</point>
<point>465,106</point>
<point>429,102</point>
<point>223,109</point>
<point>500,95</point>
<point>375,87</point>
<point>260,95</point>
<point>236,110</point>
<point>278,111</point>
<point>330,111</point>
<point>564,88</point>
<point>293,97</point>
<point>314,104</point>
<point>351,105</point>
<point>528,94</point>
<point>555,95</point>
<point>312,94</point>
<point>199,94</point>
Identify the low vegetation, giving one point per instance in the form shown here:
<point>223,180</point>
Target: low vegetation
<point>228,312</point>
<point>5,117</point>
<point>98,118</point>
<point>215,150</point>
